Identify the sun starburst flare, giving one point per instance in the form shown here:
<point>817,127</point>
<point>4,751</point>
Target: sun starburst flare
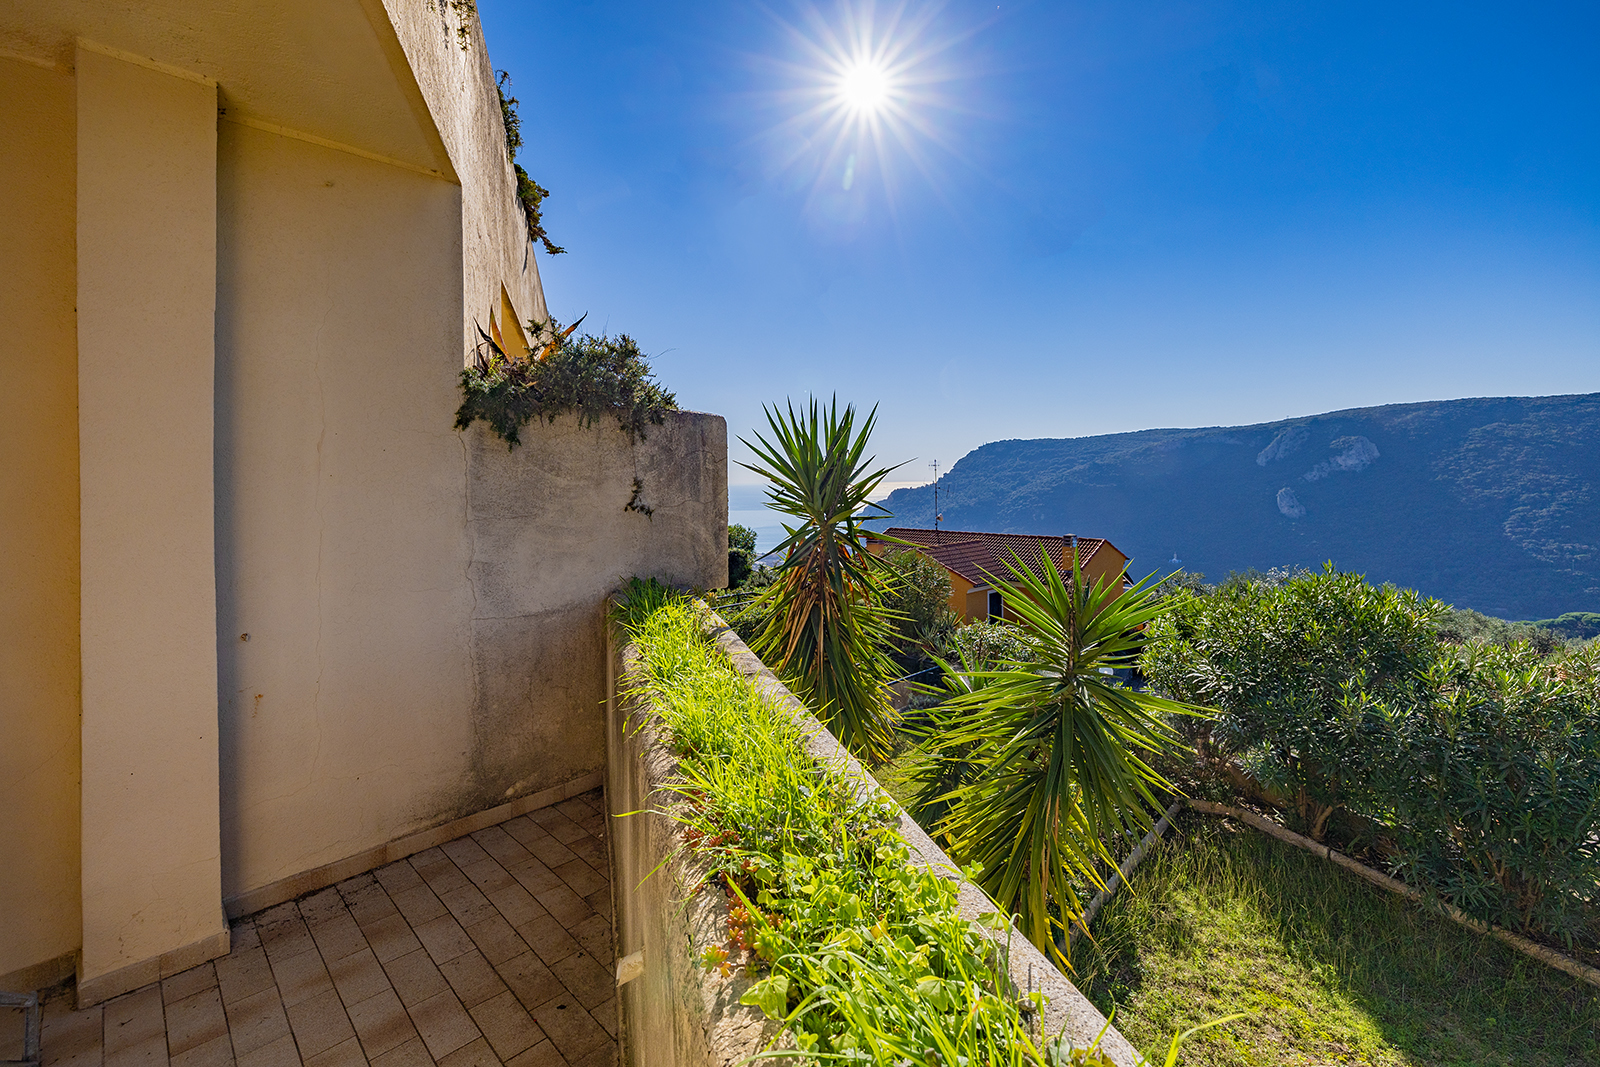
<point>868,91</point>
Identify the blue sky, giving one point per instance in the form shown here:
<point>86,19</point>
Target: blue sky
<point>1096,216</point>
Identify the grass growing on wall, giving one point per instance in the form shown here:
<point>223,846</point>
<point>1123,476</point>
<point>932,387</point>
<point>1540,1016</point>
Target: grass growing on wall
<point>1336,971</point>
<point>861,955</point>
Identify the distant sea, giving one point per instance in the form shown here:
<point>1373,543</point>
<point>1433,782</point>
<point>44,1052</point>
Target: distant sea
<point>747,506</point>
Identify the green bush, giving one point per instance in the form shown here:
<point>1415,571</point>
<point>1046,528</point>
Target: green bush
<point>917,593</point>
<point>741,554</point>
<point>1298,669</point>
<point>1495,787</point>
<point>587,376</point>
<point>1476,768</point>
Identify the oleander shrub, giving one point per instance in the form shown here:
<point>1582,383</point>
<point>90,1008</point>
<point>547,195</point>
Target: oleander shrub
<point>1473,769</point>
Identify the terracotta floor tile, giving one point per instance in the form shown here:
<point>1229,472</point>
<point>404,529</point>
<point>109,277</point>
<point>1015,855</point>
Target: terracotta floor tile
<point>531,980</point>
<point>397,877</point>
<point>473,1054</point>
<point>415,976</point>
<point>496,939</point>
<point>464,851</point>
<point>558,825</point>
<point>444,1024</point>
<point>490,949</point>
<point>549,851</point>
<point>195,1020</point>
<point>358,977</point>
<point>443,938</point>
<point>544,1054</point>
<point>322,905</point>
<point>133,1019</point>
<point>338,936</point>
<point>391,937</point>
<point>488,876</point>
<point>256,1021</point>
<point>382,1024</point>
<point>568,908</point>
<point>585,979</point>
<point>566,1023</point>
<point>243,936</point>
<point>419,905</point>
<point>346,1053</point>
<point>151,1052</point>
<point>507,1025</point>
<point>549,938</point>
<point>442,875</point>
<point>188,983</point>
<point>467,904</point>
<point>606,1015</point>
<point>218,1052</point>
<point>319,1023</point>
<point>473,978</point>
<point>535,877</point>
<point>516,904</point>
<point>279,1053</point>
<point>72,1038</point>
<point>243,974</point>
<point>410,1053</point>
<point>301,977</point>
<point>506,850</point>
<point>367,901</point>
<point>580,877</point>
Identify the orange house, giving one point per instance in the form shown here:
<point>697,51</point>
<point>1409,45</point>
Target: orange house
<point>971,558</point>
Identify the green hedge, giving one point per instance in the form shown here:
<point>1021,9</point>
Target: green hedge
<point>1474,772</point>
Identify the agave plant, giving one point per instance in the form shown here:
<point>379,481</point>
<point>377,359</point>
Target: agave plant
<point>827,631</point>
<point>1056,748</point>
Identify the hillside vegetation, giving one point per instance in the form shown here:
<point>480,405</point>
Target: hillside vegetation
<point>1489,504</point>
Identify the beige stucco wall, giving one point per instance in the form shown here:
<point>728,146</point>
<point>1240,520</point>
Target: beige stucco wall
<point>146,240</point>
<point>38,520</point>
<point>423,606</point>
<point>341,493</point>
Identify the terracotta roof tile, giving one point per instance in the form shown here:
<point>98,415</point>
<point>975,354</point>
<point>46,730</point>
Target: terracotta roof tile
<point>975,555</point>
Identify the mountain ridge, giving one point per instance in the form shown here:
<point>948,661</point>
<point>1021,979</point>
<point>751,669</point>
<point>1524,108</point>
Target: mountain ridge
<point>1491,503</point>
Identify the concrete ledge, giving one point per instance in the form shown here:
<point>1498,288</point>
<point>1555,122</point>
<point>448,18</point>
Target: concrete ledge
<point>92,991</point>
<point>298,885</point>
<point>40,975</point>
<point>678,1013</point>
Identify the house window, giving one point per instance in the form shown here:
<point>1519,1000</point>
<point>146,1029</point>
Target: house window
<point>996,606</point>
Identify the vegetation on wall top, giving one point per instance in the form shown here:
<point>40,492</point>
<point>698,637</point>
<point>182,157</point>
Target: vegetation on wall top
<point>529,192</point>
<point>860,954</point>
<point>585,375</point>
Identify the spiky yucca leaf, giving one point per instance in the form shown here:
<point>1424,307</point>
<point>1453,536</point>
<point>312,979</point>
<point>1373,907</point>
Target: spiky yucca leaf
<point>1061,747</point>
<point>828,631</point>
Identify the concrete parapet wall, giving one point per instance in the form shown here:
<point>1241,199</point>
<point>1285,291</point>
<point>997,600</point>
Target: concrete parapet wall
<point>676,1012</point>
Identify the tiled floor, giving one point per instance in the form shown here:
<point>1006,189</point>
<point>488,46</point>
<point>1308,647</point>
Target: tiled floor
<point>492,949</point>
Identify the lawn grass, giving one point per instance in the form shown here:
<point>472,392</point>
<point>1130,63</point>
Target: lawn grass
<point>1223,919</point>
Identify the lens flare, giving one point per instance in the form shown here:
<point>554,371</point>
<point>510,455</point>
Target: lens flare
<point>864,88</point>
<point>868,91</point>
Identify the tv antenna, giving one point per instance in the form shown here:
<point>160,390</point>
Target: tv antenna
<point>936,516</point>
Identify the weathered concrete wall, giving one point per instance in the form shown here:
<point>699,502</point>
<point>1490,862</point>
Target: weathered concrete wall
<point>697,1009</point>
<point>38,523</point>
<point>552,536</point>
<point>459,87</point>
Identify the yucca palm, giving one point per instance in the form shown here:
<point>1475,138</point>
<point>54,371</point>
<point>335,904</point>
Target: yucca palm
<point>1059,747</point>
<point>827,632</point>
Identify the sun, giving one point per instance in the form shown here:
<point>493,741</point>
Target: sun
<point>865,88</point>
